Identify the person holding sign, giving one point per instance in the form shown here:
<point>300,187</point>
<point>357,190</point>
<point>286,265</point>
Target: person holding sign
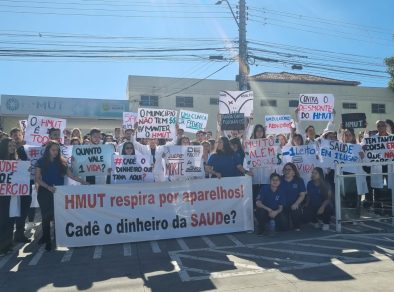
<point>318,202</point>
<point>50,171</point>
<point>294,189</point>
<point>269,205</point>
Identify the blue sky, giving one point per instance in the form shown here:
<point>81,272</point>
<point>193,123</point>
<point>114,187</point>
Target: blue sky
<point>338,39</point>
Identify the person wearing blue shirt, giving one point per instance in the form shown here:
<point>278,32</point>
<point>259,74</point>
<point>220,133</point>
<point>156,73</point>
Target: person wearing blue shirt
<point>269,204</point>
<point>294,190</point>
<point>50,171</point>
<point>318,200</point>
<point>224,162</point>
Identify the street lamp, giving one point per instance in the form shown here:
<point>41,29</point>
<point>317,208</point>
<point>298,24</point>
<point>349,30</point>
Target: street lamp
<point>229,6</point>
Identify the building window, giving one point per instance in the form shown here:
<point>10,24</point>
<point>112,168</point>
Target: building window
<point>293,103</point>
<point>214,101</point>
<point>149,100</point>
<point>184,101</point>
<point>268,102</point>
<point>349,105</point>
<point>378,108</point>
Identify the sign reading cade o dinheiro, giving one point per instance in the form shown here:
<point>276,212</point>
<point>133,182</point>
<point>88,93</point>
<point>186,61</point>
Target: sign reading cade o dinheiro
<point>109,214</point>
<point>316,107</point>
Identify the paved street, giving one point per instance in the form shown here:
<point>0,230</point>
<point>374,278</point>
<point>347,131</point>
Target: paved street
<point>306,260</point>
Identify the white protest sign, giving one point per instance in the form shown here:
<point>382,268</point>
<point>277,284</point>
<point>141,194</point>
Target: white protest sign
<point>91,159</point>
<point>109,214</point>
<point>236,102</point>
<point>184,161</point>
<point>156,123</point>
<point>263,152</point>
<point>37,129</point>
<point>14,178</point>
<point>379,148</point>
<point>333,152</point>
<point>129,120</point>
<point>278,124</point>
<point>192,122</point>
<point>316,107</point>
<point>131,169</point>
<point>23,125</point>
<point>304,157</point>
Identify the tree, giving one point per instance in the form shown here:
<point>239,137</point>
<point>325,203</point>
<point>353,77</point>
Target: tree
<point>390,69</point>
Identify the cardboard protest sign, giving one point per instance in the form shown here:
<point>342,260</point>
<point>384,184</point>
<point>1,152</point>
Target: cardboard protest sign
<point>354,120</point>
<point>379,148</point>
<point>263,152</point>
<point>37,129</point>
<point>278,124</point>
<point>334,152</point>
<point>109,214</point>
<point>23,125</point>
<point>316,107</point>
<point>304,157</point>
<point>156,123</point>
<point>234,121</point>
<point>184,161</point>
<point>129,120</point>
<point>236,102</point>
<point>131,169</point>
<point>192,122</point>
<point>14,178</point>
<point>91,159</point>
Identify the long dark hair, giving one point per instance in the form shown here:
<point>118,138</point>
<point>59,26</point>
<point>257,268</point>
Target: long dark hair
<point>4,155</point>
<point>237,142</point>
<point>323,185</point>
<point>255,130</point>
<point>227,150</point>
<point>58,160</point>
<point>294,167</point>
<point>124,148</point>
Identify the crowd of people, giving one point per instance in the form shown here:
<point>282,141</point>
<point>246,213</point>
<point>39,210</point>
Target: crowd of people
<point>282,200</point>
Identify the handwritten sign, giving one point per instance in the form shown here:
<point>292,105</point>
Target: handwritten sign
<point>379,148</point>
<point>278,124</point>
<point>131,169</point>
<point>354,120</point>
<point>334,152</point>
<point>37,129</point>
<point>234,121</point>
<point>156,123</point>
<point>316,107</point>
<point>23,125</point>
<point>236,102</point>
<point>129,120</point>
<point>304,158</point>
<point>263,152</point>
<point>192,122</point>
<point>14,178</point>
<point>184,161</point>
<point>91,159</point>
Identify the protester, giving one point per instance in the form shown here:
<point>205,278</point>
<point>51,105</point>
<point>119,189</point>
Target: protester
<point>50,172</point>
<point>318,200</point>
<point>76,133</point>
<point>389,126</point>
<point>128,149</point>
<point>269,205</point>
<point>75,141</point>
<point>294,190</point>
<point>95,139</point>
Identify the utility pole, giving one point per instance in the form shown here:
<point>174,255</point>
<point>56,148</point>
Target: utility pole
<point>243,48</point>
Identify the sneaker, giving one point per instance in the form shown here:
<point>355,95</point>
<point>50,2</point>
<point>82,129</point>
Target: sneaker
<point>325,227</point>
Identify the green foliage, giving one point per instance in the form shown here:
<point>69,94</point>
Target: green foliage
<point>390,69</point>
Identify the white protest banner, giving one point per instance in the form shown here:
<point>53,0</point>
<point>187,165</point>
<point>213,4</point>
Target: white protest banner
<point>316,107</point>
<point>37,129</point>
<point>278,124</point>
<point>109,214</point>
<point>304,158</point>
<point>184,161</point>
<point>156,123</point>
<point>236,102</point>
<point>129,120</point>
<point>14,178</point>
<point>263,152</point>
<point>192,122</point>
<point>91,159</point>
<point>23,125</point>
<point>334,152</point>
<point>131,169</point>
<point>379,148</point>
